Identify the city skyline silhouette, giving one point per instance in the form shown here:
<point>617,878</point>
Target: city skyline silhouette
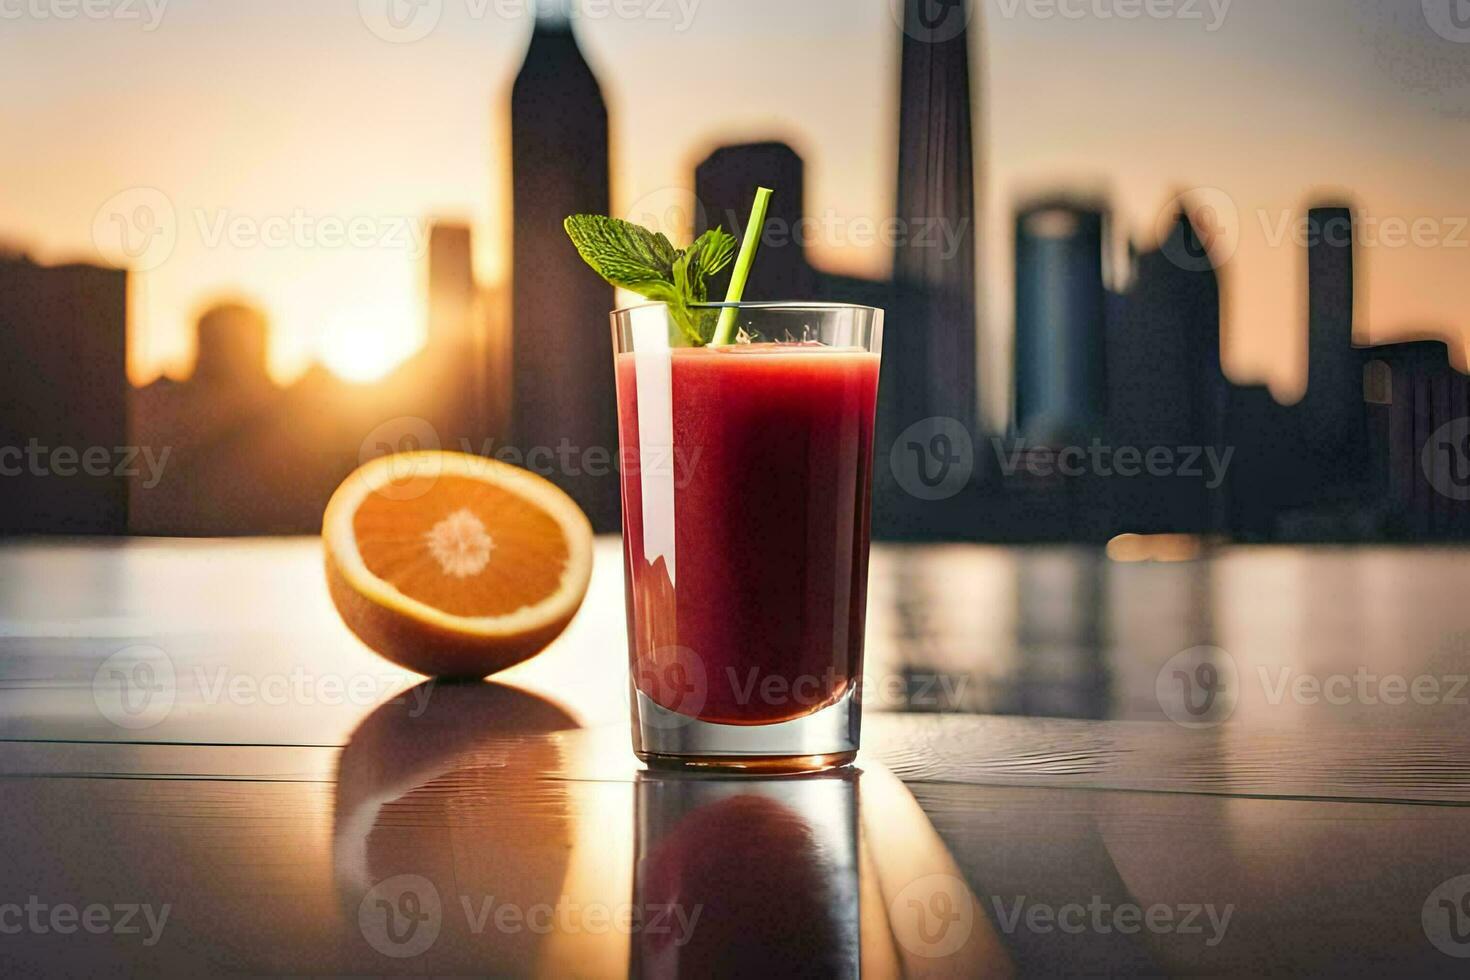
<point>1130,362</point>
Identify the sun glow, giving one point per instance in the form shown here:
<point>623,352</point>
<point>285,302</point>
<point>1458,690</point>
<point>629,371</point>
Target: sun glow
<point>363,346</point>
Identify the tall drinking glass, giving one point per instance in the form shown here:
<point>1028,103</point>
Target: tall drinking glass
<point>747,484</point>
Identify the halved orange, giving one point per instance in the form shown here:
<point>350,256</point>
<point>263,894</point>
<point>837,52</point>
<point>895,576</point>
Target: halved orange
<point>455,565</point>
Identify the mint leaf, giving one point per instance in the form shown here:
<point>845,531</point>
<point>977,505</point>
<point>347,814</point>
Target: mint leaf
<point>710,253</point>
<point>622,253</point>
<point>645,262</point>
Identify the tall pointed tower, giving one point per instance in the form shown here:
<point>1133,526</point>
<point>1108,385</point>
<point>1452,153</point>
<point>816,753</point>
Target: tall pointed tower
<point>562,388</point>
<point>929,357</point>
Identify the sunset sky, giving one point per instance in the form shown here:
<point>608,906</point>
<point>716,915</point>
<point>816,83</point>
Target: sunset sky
<point>294,123</point>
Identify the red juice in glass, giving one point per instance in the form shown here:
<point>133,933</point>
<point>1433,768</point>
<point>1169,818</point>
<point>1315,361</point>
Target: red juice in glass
<point>747,474</point>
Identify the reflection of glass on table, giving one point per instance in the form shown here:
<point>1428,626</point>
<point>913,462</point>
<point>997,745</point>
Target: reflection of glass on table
<point>752,878</point>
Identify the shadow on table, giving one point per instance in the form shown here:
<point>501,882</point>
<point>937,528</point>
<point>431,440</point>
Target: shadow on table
<point>442,816</point>
<point>479,829</point>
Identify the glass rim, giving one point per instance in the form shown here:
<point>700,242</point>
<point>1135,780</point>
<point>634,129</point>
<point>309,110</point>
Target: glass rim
<point>814,306</point>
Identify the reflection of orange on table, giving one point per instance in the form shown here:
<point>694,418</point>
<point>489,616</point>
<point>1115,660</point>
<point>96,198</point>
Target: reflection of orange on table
<point>436,799</point>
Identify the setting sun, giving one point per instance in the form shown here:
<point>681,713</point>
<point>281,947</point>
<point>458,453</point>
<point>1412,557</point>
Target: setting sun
<point>364,345</point>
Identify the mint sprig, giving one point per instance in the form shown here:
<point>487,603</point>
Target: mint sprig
<point>645,262</point>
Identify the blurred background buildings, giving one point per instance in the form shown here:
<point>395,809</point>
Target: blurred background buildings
<point>1122,418</point>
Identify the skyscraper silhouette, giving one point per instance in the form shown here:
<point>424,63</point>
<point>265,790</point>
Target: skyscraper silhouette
<point>1418,406</point>
<point>1163,349</point>
<point>457,327</point>
<point>1061,394</point>
<point>725,184</point>
<point>932,372</point>
<point>1333,414</point>
<point>1166,387</point>
<point>563,395</point>
<point>63,398</point>
<point>232,340</point>
<point>929,369</point>
<point>452,289</point>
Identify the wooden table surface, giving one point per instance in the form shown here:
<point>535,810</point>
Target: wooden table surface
<point>1255,761</point>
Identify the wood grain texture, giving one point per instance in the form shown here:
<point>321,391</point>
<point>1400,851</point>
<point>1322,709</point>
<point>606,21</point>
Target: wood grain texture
<point>264,803</point>
<point>1413,766</point>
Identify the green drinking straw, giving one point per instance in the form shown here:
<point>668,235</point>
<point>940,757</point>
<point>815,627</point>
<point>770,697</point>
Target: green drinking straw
<point>725,329</point>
